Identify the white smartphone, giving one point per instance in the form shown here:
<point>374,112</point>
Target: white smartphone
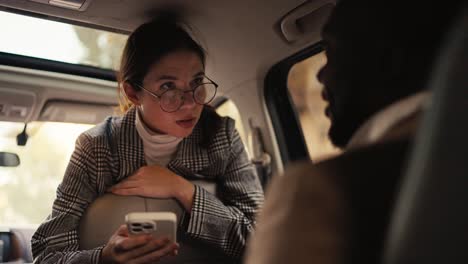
<point>157,223</point>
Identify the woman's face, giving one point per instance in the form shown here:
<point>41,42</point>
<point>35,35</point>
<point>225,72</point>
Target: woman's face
<point>177,70</point>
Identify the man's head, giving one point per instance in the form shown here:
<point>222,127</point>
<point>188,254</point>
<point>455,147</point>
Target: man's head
<point>377,54</point>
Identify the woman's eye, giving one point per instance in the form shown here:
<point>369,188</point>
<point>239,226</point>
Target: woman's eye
<point>197,81</point>
<point>167,86</point>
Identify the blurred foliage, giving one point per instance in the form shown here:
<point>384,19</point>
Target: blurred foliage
<point>103,49</point>
<point>27,191</point>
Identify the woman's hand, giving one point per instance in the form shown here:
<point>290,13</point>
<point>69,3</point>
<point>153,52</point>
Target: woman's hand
<point>157,182</point>
<point>138,249</point>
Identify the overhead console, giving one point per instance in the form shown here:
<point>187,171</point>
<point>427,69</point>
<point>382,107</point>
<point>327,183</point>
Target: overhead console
<point>303,24</point>
<point>75,112</point>
<point>33,95</point>
<point>16,105</point>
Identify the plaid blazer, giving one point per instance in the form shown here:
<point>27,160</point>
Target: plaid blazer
<point>102,159</point>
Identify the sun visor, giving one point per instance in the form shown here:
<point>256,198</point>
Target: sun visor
<point>16,105</point>
<point>75,112</point>
<point>78,5</point>
<point>305,22</point>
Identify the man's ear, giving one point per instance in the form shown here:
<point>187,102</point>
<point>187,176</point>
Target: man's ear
<point>131,93</point>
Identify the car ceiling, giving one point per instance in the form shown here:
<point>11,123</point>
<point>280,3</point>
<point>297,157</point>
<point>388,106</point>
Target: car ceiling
<point>242,37</point>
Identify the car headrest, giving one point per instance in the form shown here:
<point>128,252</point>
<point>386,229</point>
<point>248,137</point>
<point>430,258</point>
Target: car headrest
<point>429,222</point>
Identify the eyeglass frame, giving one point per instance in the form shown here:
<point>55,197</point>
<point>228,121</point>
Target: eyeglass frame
<point>183,98</point>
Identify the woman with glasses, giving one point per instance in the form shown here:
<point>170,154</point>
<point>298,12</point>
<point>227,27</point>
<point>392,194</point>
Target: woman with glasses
<point>167,135</point>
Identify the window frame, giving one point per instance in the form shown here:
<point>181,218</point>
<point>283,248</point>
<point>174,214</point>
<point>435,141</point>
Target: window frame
<point>27,62</point>
<point>284,116</point>
<point>16,60</point>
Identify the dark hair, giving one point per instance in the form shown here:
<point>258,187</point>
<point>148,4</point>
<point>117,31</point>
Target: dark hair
<point>410,34</point>
<point>149,43</point>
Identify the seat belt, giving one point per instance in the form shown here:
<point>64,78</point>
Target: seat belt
<point>261,159</point>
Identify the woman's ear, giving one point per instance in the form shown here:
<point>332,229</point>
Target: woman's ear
<point>131,93</point>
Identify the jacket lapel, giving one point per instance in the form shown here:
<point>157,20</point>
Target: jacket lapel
<point>190,158</point>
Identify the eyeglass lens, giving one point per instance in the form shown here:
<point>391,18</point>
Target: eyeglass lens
<point>173,99</point>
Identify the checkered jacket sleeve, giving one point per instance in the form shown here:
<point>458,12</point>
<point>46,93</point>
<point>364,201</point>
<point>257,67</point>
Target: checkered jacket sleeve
<point>56,240</point>
<point>227,221</point>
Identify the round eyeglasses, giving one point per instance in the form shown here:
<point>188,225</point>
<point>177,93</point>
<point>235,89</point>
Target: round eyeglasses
<point>172,99</point>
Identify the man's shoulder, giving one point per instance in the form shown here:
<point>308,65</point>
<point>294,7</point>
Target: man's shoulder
<point>370,163</point>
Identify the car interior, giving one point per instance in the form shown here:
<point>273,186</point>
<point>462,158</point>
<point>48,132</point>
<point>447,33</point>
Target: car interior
<point>57,79</point>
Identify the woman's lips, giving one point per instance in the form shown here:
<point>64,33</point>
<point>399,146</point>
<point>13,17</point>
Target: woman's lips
<point>186,123</point>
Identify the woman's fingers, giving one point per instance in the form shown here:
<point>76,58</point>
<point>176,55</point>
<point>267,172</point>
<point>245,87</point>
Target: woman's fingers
<point>151,181</point>
<point>127,186</point>
<point>137,249</point>
<point>127,191</point>
<point>150,246</point>
<point>123,230</point>
<point>118,246</point>
<point>131,243</point>
<point>128,183</point>
<point>168,248</point>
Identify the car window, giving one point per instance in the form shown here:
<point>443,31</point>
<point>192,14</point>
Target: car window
<point>62,42</point>
<point>305,91</point>
<point>27,191</point>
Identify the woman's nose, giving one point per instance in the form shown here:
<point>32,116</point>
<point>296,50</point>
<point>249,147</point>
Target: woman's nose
<point>188,99</point>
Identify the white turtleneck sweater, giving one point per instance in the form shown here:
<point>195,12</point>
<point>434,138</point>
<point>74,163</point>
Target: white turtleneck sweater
<point>159,149</point>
